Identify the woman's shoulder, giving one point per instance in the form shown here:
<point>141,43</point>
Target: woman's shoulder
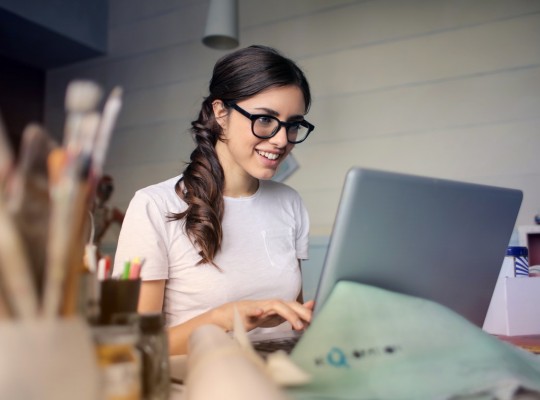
<point>162,192</point>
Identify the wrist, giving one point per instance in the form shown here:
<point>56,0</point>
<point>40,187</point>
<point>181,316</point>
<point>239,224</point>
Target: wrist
<point>218,316</point>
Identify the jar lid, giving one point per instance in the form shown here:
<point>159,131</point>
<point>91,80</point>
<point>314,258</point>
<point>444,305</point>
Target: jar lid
<point>517,251</point>
<point>151,322</point>
<point>115,334</point>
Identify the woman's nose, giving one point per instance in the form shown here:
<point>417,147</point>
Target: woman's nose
<point>280,138</point>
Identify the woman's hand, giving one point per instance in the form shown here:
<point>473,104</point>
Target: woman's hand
<point>265,313</point>
<point>254,313</point>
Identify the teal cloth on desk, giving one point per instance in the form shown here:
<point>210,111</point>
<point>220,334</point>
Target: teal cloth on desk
<point>369,343</point>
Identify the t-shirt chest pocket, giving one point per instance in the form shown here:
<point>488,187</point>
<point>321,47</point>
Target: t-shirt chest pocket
<point>280,247</point>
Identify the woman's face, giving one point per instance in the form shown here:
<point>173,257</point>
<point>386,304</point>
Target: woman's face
<point>243,155</point>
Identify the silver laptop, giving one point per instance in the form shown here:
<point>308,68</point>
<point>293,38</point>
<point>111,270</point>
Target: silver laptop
<point>432,238</point>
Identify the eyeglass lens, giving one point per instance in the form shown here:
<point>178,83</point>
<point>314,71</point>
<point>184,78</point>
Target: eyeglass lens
<point>267,126</point>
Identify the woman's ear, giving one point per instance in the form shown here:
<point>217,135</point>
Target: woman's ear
<point>220,112</point>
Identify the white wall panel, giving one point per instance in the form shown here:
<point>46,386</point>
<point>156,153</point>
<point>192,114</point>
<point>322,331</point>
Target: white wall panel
<point>503,96</point>
<point>129,179</point>
<point>371,22</point>
<point>254,14</point>
<point>139,146</point>
<point>163,103</point>
<point>164,66</point>
<point>473,154</point>
<point>178,25</point>
<point>502,45</point>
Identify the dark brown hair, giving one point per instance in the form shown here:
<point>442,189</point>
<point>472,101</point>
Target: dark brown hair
<point>236,76</point>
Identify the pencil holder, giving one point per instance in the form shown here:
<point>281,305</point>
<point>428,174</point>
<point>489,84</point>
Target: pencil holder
<point>118,296</point>
<point>48,359</point>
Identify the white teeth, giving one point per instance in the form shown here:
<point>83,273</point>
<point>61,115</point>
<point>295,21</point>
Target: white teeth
<point>270,156</point>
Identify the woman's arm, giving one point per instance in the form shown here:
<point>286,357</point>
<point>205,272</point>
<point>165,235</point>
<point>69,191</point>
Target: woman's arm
<point>151,296</point>
<point>151,300</point>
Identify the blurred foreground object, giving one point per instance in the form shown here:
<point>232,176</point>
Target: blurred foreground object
<point>45,197</point>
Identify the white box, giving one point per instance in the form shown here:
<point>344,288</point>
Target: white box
<point>514,308</point>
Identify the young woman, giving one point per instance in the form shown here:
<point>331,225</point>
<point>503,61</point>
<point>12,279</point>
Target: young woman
<point>222,235</point>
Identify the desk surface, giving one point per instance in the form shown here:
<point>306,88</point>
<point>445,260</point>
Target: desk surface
<point>530,342</point>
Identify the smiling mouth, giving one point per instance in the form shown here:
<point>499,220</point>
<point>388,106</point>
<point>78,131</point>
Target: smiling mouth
<point>270,156</point>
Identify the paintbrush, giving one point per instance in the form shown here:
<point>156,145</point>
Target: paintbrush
<point>6,154</point>
<point>108,120</point>
<point>88,135</point>
<point>17,295</point>
<point>15,268</point>
<point>95,141</point>
<point>68,210</point>
<point>5,312</point>
<point>82,97</point>
<point>28,197</point>
<point>69,201</point>
<point>69,172</point>
<point>6,159</point>
<point>76,267</point>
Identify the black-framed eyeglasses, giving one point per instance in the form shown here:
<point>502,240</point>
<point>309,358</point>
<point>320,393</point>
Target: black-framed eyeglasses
<point>266,126</point>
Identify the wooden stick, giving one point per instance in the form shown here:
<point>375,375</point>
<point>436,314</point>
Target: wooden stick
<point>15,268</point>
<point>76,266</point>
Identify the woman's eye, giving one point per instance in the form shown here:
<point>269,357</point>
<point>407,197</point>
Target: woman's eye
<point>265,120</point>
<point>295,127</point>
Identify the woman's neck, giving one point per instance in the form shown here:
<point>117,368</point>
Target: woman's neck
<point>240,187</point>
<point>238,183</point>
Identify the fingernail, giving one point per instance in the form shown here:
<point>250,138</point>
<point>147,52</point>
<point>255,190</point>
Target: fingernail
<point>298,324</point>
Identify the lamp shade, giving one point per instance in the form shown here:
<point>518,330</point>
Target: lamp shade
<point>222,25</point>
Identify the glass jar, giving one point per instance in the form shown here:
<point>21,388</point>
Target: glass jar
<point>119,362</point>
<point>153,344</point>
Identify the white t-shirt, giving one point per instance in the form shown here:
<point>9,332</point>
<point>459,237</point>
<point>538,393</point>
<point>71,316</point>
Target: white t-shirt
<point>264,235</point>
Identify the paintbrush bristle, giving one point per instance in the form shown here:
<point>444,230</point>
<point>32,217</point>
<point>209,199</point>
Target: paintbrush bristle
<point>116,92</point>
<point>56,162</point>
<point>82,96</point>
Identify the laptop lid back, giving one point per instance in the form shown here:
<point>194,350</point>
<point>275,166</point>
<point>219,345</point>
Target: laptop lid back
<point>436,239</point>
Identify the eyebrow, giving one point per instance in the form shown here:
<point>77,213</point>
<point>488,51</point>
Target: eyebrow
<point>275,114</point>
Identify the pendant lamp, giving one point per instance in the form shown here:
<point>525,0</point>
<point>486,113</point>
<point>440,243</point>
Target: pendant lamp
<point>222,25</point>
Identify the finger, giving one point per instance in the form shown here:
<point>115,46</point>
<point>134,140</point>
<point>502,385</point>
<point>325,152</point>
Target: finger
<point>309,304</point>
<point>252,316</point>
<point>255,312</point>
<point>292,312</point>
<point>301,310</point>
<point>269,313</point>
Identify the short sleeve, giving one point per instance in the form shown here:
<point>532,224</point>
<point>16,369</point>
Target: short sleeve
<point>143,235</point>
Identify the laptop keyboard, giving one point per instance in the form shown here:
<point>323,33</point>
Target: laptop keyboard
<point>269,346</point>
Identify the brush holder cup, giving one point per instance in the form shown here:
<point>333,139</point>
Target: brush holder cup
<point>118,297</point>
<point>48,359</point>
